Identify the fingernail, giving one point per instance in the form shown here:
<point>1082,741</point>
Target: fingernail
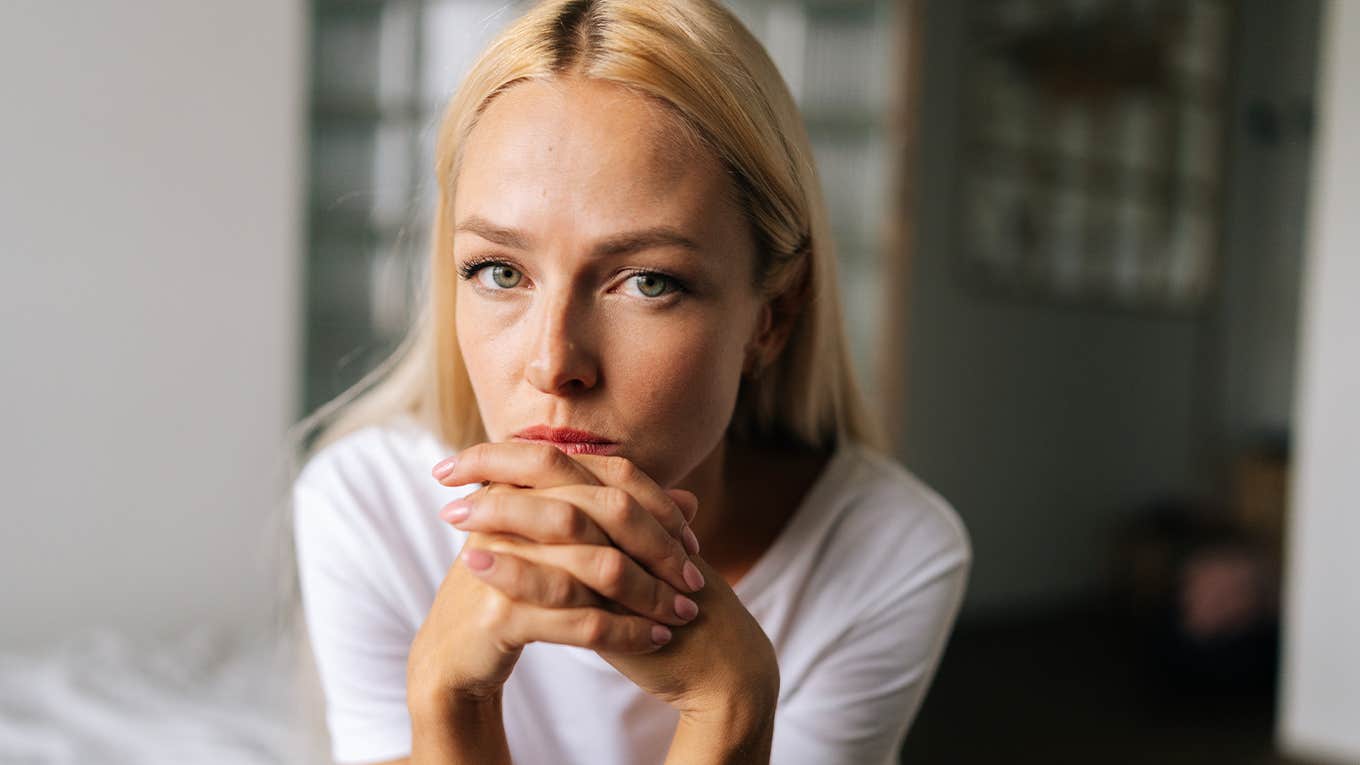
<point>478,560</point>
<point>660,635</point>
<point>443,468</point>
<point>685,608</point>
<point>456,511</point>
<point>691,541</point>
<point>693,578</point>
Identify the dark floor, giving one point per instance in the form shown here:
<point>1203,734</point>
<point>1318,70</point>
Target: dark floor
<point>1081,686</point>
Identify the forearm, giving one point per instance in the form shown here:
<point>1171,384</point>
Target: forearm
<point>463,732</point>
<point>739,732</point>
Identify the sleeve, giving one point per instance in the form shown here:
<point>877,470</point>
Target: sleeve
<point>358,639</point>
<point>858,703</point>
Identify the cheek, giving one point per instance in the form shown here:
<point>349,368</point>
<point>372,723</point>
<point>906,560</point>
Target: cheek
<point>482,338</point>
<point>683,377</point>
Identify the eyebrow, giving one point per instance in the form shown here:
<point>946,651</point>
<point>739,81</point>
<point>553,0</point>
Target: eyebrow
<point>616,244</point>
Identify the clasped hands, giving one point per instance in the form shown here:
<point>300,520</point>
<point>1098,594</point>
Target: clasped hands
<point>589,551</point>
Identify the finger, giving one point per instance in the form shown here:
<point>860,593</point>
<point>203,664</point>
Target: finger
<point>621,472</point>
<point>689,506</point>
<point>687,501</point>
<point>633,530</point>
<point>527,582</point>
<point>517,463</point>
<point>609,573</point>
<point>582,626</point>
<point>546,519</point>
<point>590,628</point>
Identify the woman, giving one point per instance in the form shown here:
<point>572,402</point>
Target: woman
<point>657,527</point>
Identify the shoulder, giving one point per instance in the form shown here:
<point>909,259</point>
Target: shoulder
<point>892,532</point>
<point>365,522</point>
<point>369,481</point>
<point>385,451</point>
<point>896,502</point>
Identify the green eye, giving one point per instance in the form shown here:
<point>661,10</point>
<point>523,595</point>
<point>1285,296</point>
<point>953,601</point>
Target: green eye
<point>651,285</point>
<point>504,276</point>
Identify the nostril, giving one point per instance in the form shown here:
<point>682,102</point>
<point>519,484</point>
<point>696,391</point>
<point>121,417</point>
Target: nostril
<point>572,378</point>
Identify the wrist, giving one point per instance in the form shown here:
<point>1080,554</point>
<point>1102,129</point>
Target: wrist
<point>456,728</point>
<point>730,727</point>
<point>753,694</point>
<point>433,692</point>
<point>432,707</point>
<point>747,709</point>
<point>724,732</point>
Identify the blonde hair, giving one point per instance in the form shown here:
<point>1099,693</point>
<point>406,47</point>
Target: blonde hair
<point>695,57</point>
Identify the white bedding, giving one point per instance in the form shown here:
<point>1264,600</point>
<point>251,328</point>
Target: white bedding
<point>201,697</point>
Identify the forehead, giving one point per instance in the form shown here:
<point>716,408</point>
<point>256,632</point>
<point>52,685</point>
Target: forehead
<point>590,158</point>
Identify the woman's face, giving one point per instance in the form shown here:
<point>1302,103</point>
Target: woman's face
<point>605,275</point>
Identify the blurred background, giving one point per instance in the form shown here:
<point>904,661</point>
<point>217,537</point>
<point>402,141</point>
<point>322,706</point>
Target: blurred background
<point>1099,258</point>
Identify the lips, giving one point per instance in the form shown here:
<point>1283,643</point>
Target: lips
<point>569,440</point>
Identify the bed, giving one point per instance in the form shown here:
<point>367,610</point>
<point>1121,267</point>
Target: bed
<point>198,697</point>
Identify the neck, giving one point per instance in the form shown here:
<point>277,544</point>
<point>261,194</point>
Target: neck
<point>746,495</point>
<point>709,482</point>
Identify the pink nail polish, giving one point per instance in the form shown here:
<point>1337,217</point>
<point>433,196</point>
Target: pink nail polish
<point>693,578</point>
<point>456,511</point>
<point>443,468</point>
<point>685,608</point>
<point>478,560</point>
<point>691,541</point>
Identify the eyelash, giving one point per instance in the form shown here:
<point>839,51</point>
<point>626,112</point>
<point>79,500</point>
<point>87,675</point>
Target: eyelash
<point>470,268</point>
<point>473,265</point>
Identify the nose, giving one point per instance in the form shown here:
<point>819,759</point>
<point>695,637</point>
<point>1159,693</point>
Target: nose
<point>561,361</point>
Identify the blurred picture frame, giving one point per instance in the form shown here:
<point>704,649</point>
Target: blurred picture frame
<point>1092,157</point>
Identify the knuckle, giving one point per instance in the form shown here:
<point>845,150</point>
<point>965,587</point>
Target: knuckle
<point>473,456</point>
<point>546,457</point>
<point>663,601</point>
<point>617,504</point>
<point>568,521</point>
<point>495,612</point>
<point>610,569</point>
<point>488,502</point>
<point>621,470</point>
<point>595,627</point>
<point>560,591</point>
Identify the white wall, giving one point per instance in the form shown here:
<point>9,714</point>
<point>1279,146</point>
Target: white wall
<point>1321,682</point>
<point>149,261</point>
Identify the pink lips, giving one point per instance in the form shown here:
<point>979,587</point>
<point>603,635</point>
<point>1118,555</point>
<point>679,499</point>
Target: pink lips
<point>569,440</point>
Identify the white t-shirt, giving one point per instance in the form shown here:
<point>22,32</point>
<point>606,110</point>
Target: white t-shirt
<point>857,593</point>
